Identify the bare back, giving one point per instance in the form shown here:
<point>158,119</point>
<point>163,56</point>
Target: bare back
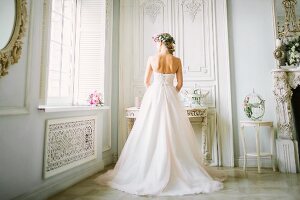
<point>166,64</point>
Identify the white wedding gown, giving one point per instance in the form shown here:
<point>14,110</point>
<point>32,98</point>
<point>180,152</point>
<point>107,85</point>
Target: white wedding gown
<point>161,155</point>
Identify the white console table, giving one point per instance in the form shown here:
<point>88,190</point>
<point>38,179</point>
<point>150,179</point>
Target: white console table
<point>258,154</point>
<point>194,114</point>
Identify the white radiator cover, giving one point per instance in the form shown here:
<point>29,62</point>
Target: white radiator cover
<point>69,142</point>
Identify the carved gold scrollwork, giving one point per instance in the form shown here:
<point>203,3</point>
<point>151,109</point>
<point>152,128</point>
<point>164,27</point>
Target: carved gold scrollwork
<point>11,53</point>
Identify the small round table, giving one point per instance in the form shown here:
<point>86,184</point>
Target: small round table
<point>258,154</point>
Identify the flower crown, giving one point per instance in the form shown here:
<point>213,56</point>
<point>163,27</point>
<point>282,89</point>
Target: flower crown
<point>163,37</point>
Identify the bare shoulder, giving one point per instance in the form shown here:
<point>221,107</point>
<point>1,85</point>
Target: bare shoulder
<point>177,61</point>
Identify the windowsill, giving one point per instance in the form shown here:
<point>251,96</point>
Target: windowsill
<point>46,108</point>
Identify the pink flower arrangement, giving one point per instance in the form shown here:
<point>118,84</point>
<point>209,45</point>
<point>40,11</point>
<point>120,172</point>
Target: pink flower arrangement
<point>95,98</point>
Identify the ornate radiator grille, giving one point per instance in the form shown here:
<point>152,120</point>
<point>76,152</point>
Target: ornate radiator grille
<point>69,142</point>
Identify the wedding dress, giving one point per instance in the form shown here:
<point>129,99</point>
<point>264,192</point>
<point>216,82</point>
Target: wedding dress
<point>162,155</point>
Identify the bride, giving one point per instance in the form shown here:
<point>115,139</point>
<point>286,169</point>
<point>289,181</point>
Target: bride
<point>161,155</point>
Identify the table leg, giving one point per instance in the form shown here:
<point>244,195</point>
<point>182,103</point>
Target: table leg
<point>272,148</point>
<point>130,125</point>
<point>258,148</point>
<point>204,143</point>
<point>244,147</point>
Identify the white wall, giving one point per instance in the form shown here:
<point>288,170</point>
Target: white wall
<point>251,36</point>
<point>7,12</point>
<point>22,136</point>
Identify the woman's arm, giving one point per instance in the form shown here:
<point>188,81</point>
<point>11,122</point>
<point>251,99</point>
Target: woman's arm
<point>179,77</point>
<point>148,73</point>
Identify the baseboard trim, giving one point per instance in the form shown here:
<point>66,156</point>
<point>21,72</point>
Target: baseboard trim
<point>252,162</point>
<point>53,187</point>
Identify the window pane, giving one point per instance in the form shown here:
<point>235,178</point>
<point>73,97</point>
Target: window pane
<point>55,56</point>
<point>62,50</point>
<point>69,8</point>
<point>56,27</point>
<point>57,5</point>
<point>68,32</point>
<point>91,48</point>
<point>66,84</point>
<point>67,59</point>
<point>54,79</point>
<point>88,51</point>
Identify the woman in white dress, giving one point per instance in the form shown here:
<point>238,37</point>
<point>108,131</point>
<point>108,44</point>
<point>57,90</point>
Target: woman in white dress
<point>162,155</point>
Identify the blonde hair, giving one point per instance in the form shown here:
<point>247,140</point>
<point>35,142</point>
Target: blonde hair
<point>170,47</point>
<point>167,40</point>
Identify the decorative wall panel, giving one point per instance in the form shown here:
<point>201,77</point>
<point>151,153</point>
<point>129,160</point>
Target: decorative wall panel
<point>195,44</point>
<point>192,7</point>
<point>69,142</point>
<point>152,8</point>
<point>150,20</point>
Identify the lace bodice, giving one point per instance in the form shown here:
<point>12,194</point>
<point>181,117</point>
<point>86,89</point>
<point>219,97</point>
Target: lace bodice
<point>165,79</point>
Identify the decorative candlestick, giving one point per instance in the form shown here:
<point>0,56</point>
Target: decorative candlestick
<point>137,102</point>
<point>279,53</point>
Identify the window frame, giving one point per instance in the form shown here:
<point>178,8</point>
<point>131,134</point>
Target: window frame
<point>45,101</point>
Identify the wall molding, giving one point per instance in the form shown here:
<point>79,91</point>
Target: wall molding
<point>192,7</point>
<point>204,67</point>
<point>252,162</point>
<point>108,70</point>
<point>224,104</point>
<point>19,110</point>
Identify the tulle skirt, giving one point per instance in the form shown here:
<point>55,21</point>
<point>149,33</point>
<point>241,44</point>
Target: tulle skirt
<point>162,155</point>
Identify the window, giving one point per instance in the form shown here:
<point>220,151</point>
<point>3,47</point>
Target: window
<point>74,43</point>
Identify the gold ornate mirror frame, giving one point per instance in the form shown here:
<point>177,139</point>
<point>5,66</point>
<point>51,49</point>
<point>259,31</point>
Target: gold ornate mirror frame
<point>11,53</point>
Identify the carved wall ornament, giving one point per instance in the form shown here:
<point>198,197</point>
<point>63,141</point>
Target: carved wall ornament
<point>283,94</point>
<point>11,53</point>
<point>279,55</point>
<point>294,79</point>
<point>291,25</point>
<point>152,8</point>
<point>192,7</point>
<point>69,142</point>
